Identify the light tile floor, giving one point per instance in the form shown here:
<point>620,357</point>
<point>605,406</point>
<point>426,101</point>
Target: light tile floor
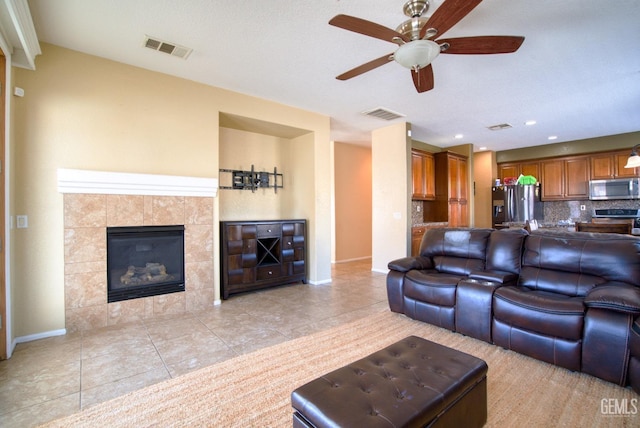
<point>53,377</point>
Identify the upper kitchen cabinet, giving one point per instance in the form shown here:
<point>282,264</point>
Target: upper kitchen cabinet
<point>514,169</point>
<point>423,174</point>
<point>611,165</point>
<point>565,178</point>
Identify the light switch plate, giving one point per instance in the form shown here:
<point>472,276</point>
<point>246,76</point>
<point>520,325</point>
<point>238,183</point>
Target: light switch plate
<point>22,221</point>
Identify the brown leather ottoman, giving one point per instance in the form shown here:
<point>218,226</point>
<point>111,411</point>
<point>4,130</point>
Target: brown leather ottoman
<point>412,383</point>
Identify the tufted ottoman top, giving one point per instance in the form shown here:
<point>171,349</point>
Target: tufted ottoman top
<point>406,384</point>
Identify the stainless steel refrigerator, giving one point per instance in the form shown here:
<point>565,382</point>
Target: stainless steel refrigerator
<point>522,203</point>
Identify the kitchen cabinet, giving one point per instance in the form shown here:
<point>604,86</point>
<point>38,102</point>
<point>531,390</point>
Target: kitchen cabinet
<point>417,232</point>
<point>611,165</point>
<point>423,177</point>
<point>508,170</point>
<point>259,254</point>
<point>565,178</point>
<point>514,169</point>
<point>452,193</point>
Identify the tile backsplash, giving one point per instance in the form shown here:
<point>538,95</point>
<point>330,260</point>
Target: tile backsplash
<point>570,210</point>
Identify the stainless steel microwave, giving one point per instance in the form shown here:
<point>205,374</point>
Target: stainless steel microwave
<point>615,188</point>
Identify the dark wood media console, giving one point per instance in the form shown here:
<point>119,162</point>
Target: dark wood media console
<point>259,254</point>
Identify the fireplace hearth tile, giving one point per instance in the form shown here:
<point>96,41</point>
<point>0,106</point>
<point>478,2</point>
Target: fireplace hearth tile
<point>199,300</point>
<point>198,243</point>
<point>174,303</point>
<point>86,318</point>
<point>125,210</point>
<point>83,210</point>
<point>148,307</point>
<point>85,244</point>
<point>198,210</point>
<point>121,339</point>
<point>125,311</point>
<point>84,267</point>
<point>85,289</point>
<point>199,275</point>
<point>166,210</point>
<point>164,330</point>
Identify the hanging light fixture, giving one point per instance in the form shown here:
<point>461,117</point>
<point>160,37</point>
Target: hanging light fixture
<point>416,54</point>
<point>634,159</point>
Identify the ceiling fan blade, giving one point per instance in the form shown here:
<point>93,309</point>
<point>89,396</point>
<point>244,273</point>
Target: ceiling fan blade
<point>365,27</point>
<point>482,44</point>
<point>366,67</point>
<point>448,15</point>
<point>423,78</point>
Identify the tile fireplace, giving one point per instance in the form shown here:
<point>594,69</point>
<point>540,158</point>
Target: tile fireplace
<point>98,201</point>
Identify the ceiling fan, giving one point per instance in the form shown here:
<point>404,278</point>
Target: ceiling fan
<point>417,40</point>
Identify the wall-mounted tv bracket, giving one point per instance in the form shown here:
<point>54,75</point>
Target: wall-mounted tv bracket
<point>245,180</point>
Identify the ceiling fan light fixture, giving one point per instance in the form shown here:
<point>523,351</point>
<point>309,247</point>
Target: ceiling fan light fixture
<point>416,54</point>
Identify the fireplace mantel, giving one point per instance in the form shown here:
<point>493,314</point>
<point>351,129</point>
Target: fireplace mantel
<point>119,183</point>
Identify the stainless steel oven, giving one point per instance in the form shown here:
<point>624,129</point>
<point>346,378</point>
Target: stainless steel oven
<point>620,214</point>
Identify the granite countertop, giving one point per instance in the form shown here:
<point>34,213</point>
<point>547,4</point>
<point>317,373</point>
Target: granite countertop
<point>431,224</point>
<point>571,227</point>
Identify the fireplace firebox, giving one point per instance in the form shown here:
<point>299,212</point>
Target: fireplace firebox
<point>144,261</point>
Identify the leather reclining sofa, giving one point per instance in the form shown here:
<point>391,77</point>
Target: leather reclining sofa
<point>568,298</point>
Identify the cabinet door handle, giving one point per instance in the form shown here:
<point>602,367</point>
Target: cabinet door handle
<point>288,242</point>
<point>270,273</point>
<point>269,230</point>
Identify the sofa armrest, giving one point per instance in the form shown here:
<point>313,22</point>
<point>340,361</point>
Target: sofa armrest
<point>616,297</point>
<point>500,277</point>
<point>409,263</point>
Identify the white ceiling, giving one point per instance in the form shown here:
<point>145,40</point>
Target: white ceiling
<point>577,73</point>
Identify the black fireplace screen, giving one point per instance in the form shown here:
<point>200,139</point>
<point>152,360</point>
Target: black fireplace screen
<point>144,261</point>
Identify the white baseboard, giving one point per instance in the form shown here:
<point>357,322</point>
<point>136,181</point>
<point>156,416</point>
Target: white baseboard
<point>36,336</point>
<point>385,271</point>
<point>322,282</point>
<point>351,260</point>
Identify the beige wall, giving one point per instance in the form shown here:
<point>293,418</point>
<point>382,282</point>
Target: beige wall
<point>352,165</point>
<point>84,112</point>
<point>239,150</point>
<point>391,201</point>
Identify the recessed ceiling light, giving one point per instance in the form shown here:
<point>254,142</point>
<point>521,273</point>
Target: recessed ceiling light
<point>553,137</point>
<point>482,148</point>
<point>530,122</point>
<point>458,136</point>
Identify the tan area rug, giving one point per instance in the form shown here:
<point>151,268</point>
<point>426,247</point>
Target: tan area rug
<point>254,389</point>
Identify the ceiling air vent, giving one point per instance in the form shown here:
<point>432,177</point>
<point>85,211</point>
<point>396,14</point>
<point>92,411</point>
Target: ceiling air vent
<point>166,47</point>
<point>499,127</point>
<point>383,113</point>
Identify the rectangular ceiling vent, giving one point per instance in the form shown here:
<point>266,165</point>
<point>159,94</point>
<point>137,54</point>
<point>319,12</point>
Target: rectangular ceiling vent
<point>383,113</point>
<point>166,47</point>
<point>499,127</point>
